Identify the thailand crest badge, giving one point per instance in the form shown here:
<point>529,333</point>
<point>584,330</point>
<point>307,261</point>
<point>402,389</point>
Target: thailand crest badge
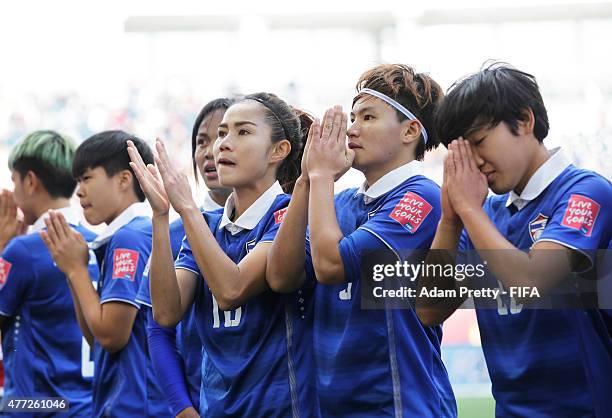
<point>536,227</point>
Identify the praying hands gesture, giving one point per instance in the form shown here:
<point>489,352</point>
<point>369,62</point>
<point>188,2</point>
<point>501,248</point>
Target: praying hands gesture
<point>464,185</point>
<point>162,183</point>
<point>327,153</point>
<point>314,126</point>
<point>67,247</point>
<point>10,224</point>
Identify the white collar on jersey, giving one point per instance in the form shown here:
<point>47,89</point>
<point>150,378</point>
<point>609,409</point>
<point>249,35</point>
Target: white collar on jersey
<point>133,211</point>
<point>390,180</point>
<point>541,179</point>
<point>71,216</point>
<point>251,217</point>
<point>209,204</point>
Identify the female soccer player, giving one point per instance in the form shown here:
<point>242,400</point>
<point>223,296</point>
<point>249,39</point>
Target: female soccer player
<point>253,363</point>
<point>108,314</point>
<point>176,353</point>
<point>369,362</point>
<point>544,222</point>
<point>41,338</point>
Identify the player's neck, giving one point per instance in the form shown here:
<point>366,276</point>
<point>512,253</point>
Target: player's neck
<point>540,156</point>
<point>219,196</point>
<point>244,197</point>
<point>122,206</point>
<point>373,174</point>
<point>47,203</point>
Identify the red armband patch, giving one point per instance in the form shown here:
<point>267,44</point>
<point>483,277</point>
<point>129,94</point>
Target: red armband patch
<point>5,269</point>
<point>411,211</point>
<point>581,214</point>
<point>279,215</point>
<point>125,263</point>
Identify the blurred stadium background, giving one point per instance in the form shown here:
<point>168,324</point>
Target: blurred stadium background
<point>148,66</point>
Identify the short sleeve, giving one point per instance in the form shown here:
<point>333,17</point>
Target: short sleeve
<point>464,241</point>
<point>273,225</point>
<point>404,222</point>
<point>582,217</point>
<point>144,294</point>
<point>185,259</point>
<point>177,233</point>
<point>125,260</point>
<point>15,277</point>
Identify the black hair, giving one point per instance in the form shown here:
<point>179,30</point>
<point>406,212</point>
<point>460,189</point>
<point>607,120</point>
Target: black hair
<point>222,103</point>
<point>417,92</point>
<point>108,150</point>
<point>497,93</point>
<point>290,124</point>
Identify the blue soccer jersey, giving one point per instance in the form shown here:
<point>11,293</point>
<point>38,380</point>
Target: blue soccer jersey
<point>124,382</point>
<point>45,354</point>
<point>258,358</point>
<point>380,362</point>
<point>187,340</point>
<point>533,356</point>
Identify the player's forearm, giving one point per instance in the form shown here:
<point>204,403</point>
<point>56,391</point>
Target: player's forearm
<point>80,318</point>
<point>285,266</point>
<point>165,293</point>
<point>89,303</point>
<point>511,266</point>
<point>230,285</point>
<point>110,330</point>
<point>433,311</point>
<point>325,233</point>
<point>166,361</point>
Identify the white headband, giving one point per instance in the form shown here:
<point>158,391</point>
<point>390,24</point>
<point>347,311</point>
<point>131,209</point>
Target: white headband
<point>398,106</point>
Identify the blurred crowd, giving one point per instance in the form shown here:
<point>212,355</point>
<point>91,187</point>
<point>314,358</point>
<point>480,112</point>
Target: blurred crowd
<point>170,116</point>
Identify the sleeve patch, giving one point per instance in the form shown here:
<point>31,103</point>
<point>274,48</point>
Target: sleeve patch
<point>125,263</point>
<point>279,215</point>
<point>581,214</point>
<point>411,211</point>
<point>5,269</point>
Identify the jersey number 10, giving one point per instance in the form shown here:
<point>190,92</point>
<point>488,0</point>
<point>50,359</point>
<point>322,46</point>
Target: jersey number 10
<point>231,318</point>
<point>502,308</point>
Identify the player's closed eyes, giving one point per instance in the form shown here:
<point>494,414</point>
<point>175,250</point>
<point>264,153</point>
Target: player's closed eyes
<point>479,141</point>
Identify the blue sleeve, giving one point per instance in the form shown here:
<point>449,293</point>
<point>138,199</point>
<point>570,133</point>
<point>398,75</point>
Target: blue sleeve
<point>604,287</point>
<point>168,364</point>
<point>15,276</point>
<point>185,259</point>
<point>177,234</point>
<point>144,293</point>
<point>582,217</point>
<point>125,260</point>
<point>273,225</point>
<point>404,222</point>
<point>464,241</point>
